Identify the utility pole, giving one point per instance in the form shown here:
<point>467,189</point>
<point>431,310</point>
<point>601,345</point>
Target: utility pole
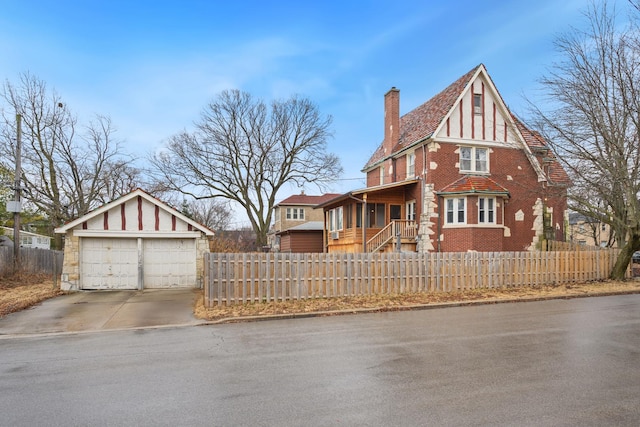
<point>18,179</point>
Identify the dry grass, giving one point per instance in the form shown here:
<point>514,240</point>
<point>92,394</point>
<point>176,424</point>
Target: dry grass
<point>394,302</point>
<point>20,291</point>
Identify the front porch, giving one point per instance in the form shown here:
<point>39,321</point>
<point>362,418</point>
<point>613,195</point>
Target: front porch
<point>398,236</point>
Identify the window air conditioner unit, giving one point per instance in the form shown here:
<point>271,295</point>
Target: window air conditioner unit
<point>334,235</point>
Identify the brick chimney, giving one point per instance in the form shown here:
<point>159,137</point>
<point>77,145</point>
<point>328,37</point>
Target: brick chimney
<point>391,119</point>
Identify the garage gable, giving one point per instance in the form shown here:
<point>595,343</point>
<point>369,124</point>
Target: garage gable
<point>134,242</point>
<point>136,213</point>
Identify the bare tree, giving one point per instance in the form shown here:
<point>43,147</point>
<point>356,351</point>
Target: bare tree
<point>212,213</point>
<point>63,171</point>
<point>118,177</point>
<point>6,182</point>
<point>245,152</point>
<point>593,125</point>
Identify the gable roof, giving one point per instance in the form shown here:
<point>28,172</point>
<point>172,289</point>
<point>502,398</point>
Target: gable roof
<point>555,172</point>
<point>475,185</point>
<point>305,200</point>
<point>423,121</point>
<point>135,193</point>
<point>426,120</point>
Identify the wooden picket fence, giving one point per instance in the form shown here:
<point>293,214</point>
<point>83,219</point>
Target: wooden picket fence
<point>240,278</point>
<point>32,260</point>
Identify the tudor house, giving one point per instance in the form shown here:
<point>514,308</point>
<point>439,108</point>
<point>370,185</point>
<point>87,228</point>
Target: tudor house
<point>458,173</point>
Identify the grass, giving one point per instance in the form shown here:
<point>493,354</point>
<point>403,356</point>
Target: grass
<point>22,290</point>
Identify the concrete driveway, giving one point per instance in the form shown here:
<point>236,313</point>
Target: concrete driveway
<point>105,310</point>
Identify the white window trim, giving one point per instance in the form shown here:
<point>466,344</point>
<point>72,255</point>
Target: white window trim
<point>297,212</point>
<point>336,219</point>
<point>477,109</point>
<point>411,165</point>
<point>456,205</point>
<point>473,168</point>
<point>494,210</point>
<point>410,210</point>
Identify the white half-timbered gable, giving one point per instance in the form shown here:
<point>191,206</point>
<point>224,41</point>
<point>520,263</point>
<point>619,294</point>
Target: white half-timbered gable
<point>134,242</point>
<point>479,114</point>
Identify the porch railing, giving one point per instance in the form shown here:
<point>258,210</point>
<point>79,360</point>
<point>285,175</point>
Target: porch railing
<point>404,228</point>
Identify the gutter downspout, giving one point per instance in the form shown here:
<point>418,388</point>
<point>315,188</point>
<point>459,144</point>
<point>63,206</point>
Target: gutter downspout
<point>440,202</point>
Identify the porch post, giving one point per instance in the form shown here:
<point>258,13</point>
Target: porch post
<point>364,222</point>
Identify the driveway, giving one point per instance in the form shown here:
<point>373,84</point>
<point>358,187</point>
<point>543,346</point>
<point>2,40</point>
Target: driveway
<point>105,310</point>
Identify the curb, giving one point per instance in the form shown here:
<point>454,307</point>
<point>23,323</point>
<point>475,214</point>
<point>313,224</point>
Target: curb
<point>285,316</point>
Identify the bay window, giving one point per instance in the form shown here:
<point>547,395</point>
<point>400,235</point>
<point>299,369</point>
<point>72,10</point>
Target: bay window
<point>456,211</point>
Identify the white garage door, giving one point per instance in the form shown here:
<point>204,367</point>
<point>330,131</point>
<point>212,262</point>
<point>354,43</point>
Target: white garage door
<point>169,263</point>
<point>109,263</point>
<point>113,263</point>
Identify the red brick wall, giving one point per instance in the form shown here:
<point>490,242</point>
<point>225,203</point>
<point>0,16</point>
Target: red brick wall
<point>477,239</point>
<point>373,177</point>
<point>509,168</point>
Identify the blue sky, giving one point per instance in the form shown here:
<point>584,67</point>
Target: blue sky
<point>153,65</point>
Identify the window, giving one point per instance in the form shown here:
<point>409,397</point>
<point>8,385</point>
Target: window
<point>381,175</point>
<point>474,159</point>
<point>335,219</point>
<point>486,210</point>
<point>411,210</point>
<point>348,219</point>
<point>375,218</point>
<point>295,213</point>
<point>456,211</point>
<point>411,165</point>
<point>477,103</point>
<point>359,215</point>
<point>395,212</point>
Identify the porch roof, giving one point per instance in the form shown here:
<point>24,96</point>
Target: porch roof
<point>357,194</point>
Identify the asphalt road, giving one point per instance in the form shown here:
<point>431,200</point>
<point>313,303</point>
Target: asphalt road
<point>556,363</point>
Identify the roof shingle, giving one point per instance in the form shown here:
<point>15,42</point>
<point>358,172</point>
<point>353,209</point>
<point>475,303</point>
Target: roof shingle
<point>474,184</point>
<point>423,121</point>
<point>303,199</point>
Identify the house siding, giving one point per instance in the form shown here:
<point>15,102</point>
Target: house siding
<point>301,242</point>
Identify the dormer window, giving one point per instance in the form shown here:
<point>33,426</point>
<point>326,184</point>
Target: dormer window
<point>474,159</point>
<point>477,103</point>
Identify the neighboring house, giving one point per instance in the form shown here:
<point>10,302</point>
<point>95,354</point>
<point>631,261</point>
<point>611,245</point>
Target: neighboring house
<point>298,225</point>
<point>588,231</point>
<point>303,238</point>
<point>458,173</point>
<point>134,242</point>
<point>30,240</point>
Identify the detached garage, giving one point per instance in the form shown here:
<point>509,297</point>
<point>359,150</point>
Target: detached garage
<point>134,242</point>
